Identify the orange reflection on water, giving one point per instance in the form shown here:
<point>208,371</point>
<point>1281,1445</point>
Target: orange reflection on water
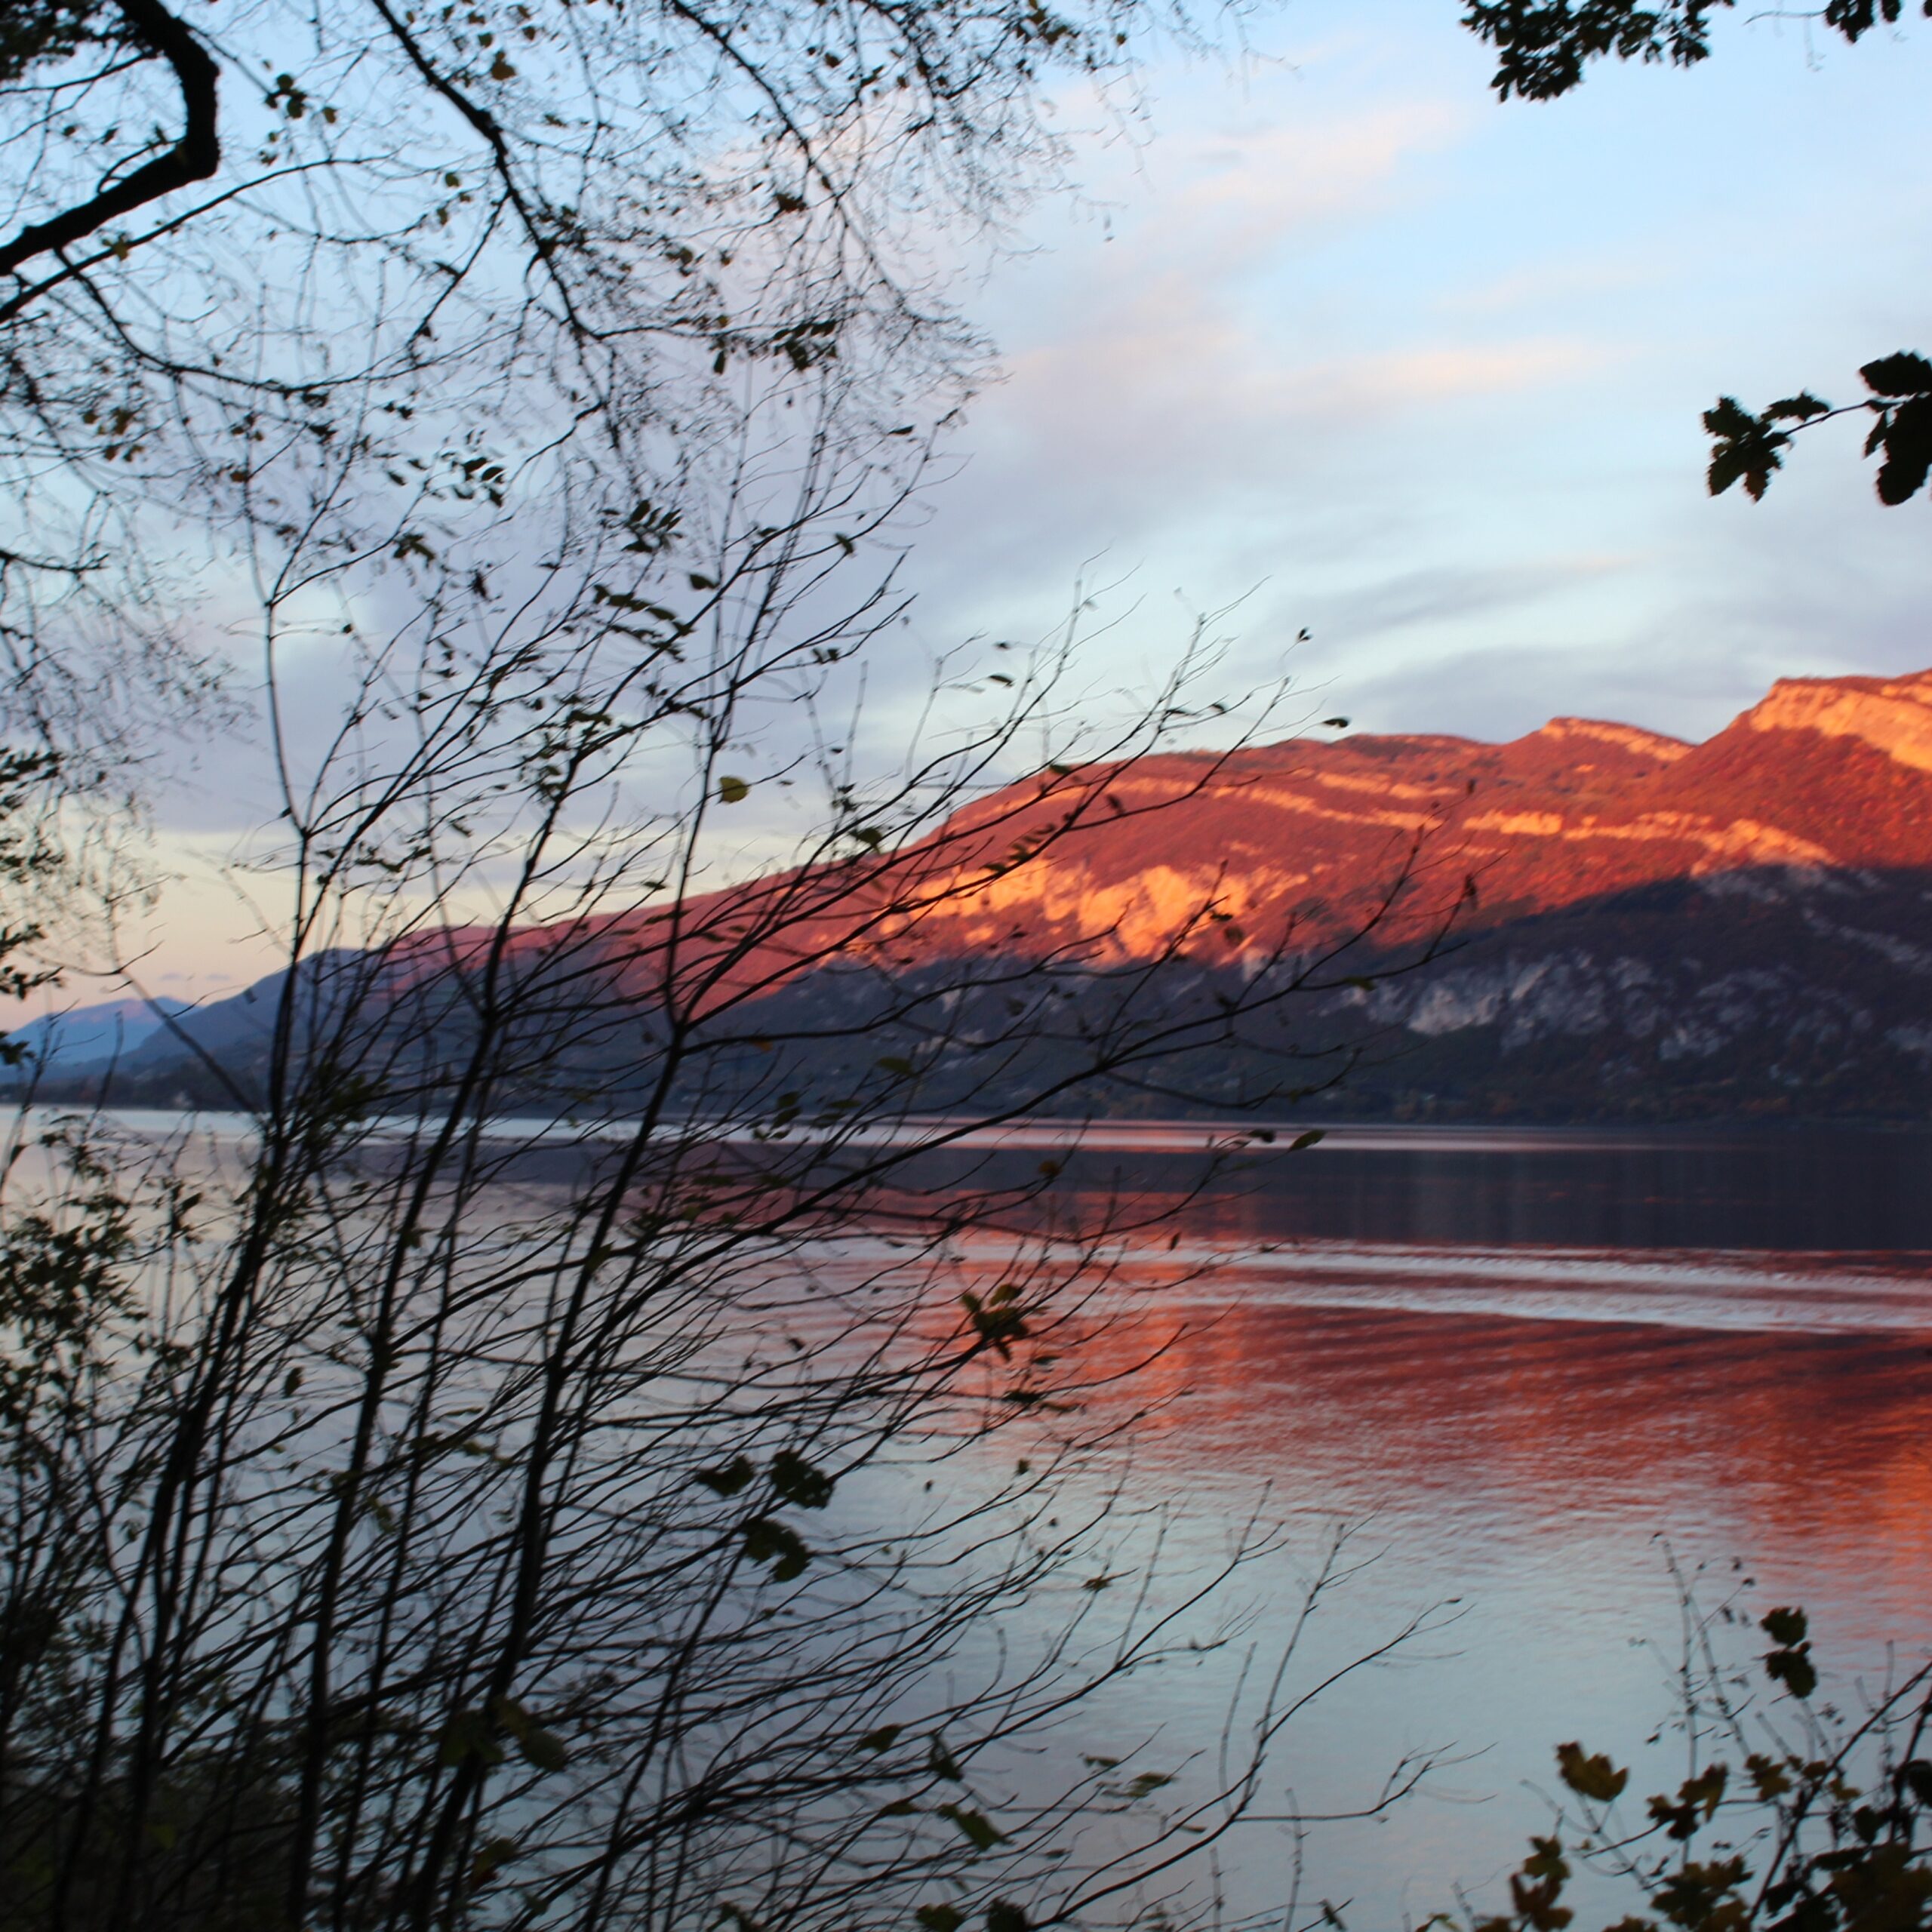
<point>1776,1410</point>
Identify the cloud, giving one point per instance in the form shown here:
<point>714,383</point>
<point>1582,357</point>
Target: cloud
<point>1185,415</point>
<point>1422,374</point>
<point>1442,591</point>
<point>1233,198</point>
<point>1243,375</point>
<point>1584,281</point>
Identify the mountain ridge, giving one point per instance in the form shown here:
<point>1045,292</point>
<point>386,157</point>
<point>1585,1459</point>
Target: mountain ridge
<point>1642,927</point>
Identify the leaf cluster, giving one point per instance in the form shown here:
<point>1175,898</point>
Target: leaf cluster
<point>1902,427</point>
<point>38,30</point>
<point>1544,46</point>
<point>1749,448</point>
<point>1789,1838</point>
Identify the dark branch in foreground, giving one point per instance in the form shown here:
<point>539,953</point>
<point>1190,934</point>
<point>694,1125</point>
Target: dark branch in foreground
<point>194,157</point>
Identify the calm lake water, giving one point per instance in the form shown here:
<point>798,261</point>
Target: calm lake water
<point>1528,1365</point>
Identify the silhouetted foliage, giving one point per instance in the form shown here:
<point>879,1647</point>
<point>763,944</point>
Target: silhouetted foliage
<point>1543,48</point>
<point>417,1515</point>
<point>363,280</point>
<point>1820,1821</point>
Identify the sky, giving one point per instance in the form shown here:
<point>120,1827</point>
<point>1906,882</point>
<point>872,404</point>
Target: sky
<point>1330,339</point>
<point>1345,339</point>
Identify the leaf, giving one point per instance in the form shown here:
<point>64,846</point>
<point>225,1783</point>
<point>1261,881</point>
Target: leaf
<point>1594,1776</point>
<point>1546,1859</point>
<point>1903,374</point>
<point>1907,442</point>
<point>1799,408</point>
<point>1784,1625</point>
<point>732,790</point>
<point>536,1746</point>
<point>543,1749</point>
<point>1002,1916</point>
<point>999,1322</point>
<point>1746,449</point>
<point>940,1918</point>
<point>975,1825</point>
<point>795,1481</point>
<point>783,1549</point>
<point>943,1764</point>
<point>1697,1802</point>
<point>728,1480</point>
<point>1335,724</point>
<point>1727,416</point>
<point>1307,1140</point>
<point>1794,1670</point>
<point>882,1739</point>
<point>466,1734</point>
<point>894,1064</point>
<point>490,1859</point>
<point>1706,1790</point>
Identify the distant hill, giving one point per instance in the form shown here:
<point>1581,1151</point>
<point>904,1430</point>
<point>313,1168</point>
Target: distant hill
<point>85,1038</point>
<point>1643,928</point>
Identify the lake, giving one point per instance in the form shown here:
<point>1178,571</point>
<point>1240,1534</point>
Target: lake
<point>1528,1369</point>
<point>1531,1366</point>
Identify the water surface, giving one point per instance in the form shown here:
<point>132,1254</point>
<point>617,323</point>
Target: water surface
<point>1532,1366</point>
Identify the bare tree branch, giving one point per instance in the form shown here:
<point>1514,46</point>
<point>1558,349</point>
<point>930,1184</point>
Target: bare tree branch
<point>194,157</point>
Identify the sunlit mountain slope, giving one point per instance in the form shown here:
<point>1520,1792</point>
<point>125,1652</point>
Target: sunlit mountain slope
<point>1617,924</point>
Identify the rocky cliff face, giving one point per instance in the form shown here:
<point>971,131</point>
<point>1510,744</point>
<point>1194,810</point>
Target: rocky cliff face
<point>1646,928</point>
<point>1825,776</point>
<point>1620,925</point>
